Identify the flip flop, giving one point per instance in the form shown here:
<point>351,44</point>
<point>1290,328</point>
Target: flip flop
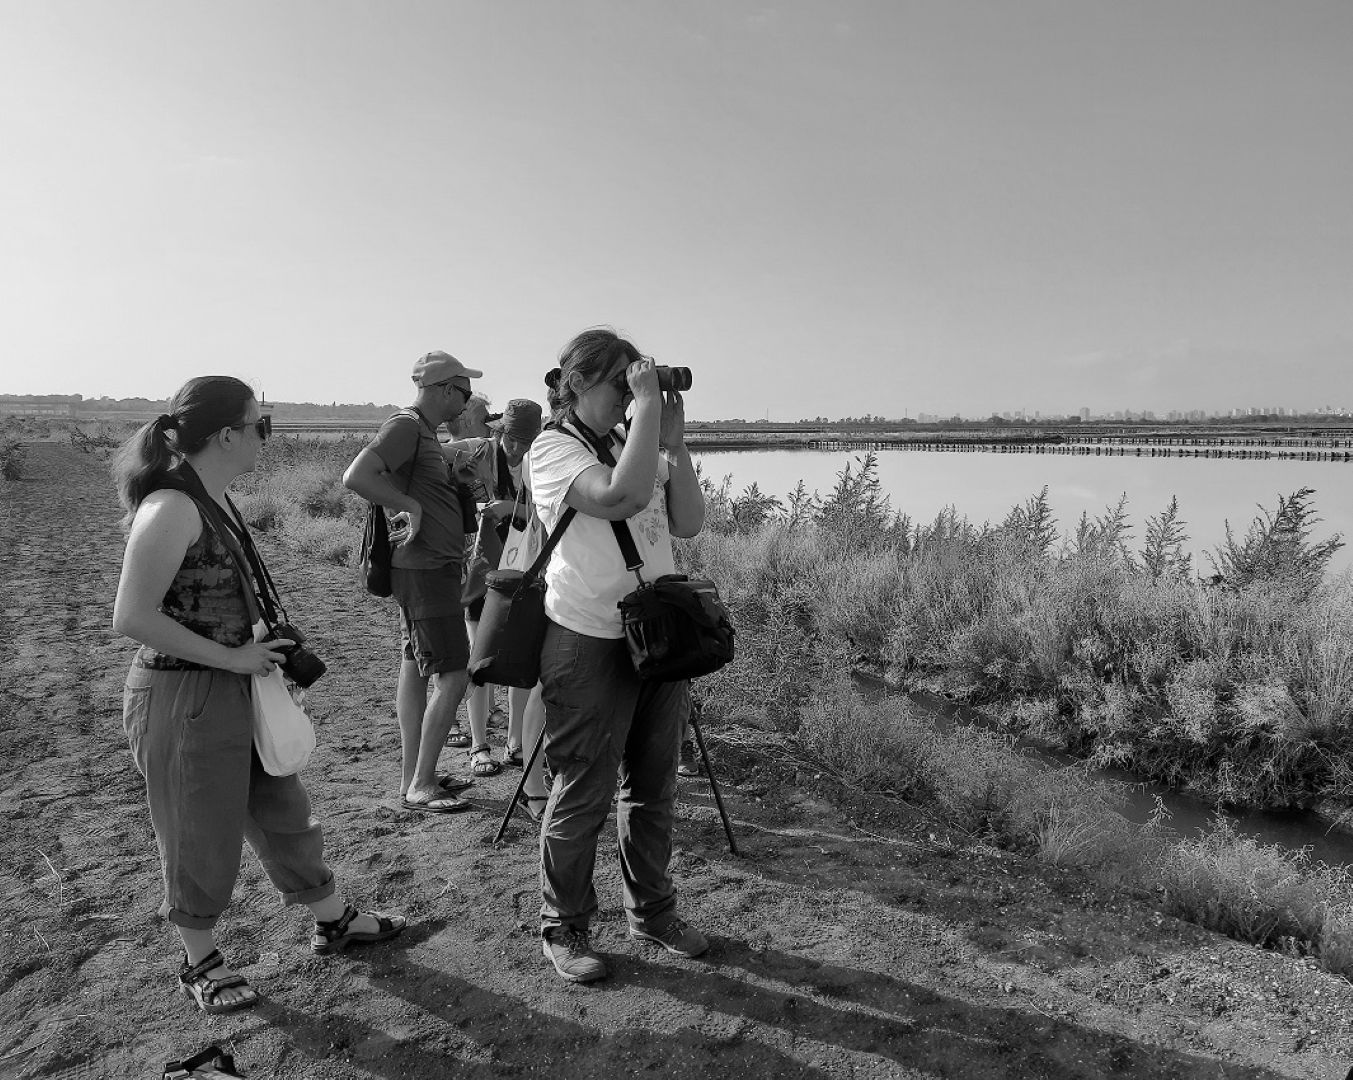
<point>447,805</point>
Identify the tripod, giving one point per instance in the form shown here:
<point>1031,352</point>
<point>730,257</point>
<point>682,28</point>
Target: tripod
<point>704,756</point>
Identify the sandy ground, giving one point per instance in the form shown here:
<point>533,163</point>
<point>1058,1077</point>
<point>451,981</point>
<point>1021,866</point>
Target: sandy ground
<point>850,938</point>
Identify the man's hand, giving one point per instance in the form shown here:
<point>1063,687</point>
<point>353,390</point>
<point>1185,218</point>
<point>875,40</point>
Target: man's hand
<point>498,510</point>
<point>404,526</point>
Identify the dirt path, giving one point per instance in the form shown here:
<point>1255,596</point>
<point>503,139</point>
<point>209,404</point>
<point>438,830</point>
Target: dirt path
<point>849,939</point>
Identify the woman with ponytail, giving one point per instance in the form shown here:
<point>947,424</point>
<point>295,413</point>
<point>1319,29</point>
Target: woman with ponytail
<point>601,720</point>
<point>188,703</point>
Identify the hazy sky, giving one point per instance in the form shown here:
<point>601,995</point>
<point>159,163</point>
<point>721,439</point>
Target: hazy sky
<point>827,208</point>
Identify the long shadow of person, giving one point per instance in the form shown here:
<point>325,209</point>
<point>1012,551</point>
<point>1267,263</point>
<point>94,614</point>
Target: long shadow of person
<point>465,1030</point>
<point>866,1016</point>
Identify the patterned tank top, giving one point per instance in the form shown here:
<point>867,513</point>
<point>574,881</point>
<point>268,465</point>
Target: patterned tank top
<point>205,596</point>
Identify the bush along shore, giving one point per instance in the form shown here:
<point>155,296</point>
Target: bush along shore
<point>1237,686</point>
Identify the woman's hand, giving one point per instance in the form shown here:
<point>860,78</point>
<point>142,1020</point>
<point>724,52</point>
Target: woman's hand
<point>404,526</point>
<point>672,433</point>
<point>258,657</point>
<point>643,380</point>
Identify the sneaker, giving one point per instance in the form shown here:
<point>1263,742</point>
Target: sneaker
<point>676,937</point>
<point>570,951</point>
<point>686,763</point>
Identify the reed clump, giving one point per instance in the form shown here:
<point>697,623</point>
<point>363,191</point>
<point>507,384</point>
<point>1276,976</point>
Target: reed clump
<point>1238,687</point>
<point>296,495</point>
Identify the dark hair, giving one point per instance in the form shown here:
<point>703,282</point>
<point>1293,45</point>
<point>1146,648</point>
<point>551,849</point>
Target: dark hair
<point>592,354</point>
<point>201,408</point>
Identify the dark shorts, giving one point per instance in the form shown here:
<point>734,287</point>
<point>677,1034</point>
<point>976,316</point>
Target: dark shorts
<point>431,619</point>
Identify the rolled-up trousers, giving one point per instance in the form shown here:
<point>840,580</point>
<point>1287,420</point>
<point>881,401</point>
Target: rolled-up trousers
<point>191,733</point>
<point>604,725</point>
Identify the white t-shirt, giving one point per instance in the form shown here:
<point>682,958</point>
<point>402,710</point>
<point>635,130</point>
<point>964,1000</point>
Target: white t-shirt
<point>586,575</point>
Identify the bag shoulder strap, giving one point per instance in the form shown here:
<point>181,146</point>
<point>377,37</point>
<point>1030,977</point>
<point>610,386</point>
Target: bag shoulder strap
<point>536,567</point>
<point>417,417</point>
<point>601,447</point>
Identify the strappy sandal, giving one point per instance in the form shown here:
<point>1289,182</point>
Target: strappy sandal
<point>512,756</point>
<point>193,983</point>
<point>485,766</point>
<point>334,936</point>
<point>534,805</point>
<point>458,740</point>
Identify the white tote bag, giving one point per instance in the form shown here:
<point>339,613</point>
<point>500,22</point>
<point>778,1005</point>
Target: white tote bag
<point>523,545</point>
<point>283,734</point>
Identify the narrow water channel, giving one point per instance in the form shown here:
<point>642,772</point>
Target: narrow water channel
<point>1291,831</point>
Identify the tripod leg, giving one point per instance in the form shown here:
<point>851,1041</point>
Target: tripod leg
<point>713,784</point>
<point>521,785</point>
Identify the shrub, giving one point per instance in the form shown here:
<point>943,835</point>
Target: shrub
<point>1234,884</point>
<point>13,456</point>
<point>1277,548</point>
<point>327,539</point>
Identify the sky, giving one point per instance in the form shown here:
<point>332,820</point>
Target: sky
<point>831,208</point>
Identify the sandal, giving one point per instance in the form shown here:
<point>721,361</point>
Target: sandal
<point>513,756</point>
<point>485,766</point>
<point>331,937</point>
<point>213,1061</point>
<point>193,982</point>
<point>534,805</point>
<point>458,740</point>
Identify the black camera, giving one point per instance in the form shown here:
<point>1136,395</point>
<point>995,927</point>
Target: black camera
<point>301,666</point>
<point>673,378</point>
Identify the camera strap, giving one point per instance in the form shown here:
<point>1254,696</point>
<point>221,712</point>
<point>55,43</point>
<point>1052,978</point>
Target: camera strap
<point>601,446</point>
<point>260,595</point>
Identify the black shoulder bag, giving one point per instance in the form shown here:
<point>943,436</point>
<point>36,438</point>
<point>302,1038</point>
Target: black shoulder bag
<point>373,564</point>
<point>676,627</point>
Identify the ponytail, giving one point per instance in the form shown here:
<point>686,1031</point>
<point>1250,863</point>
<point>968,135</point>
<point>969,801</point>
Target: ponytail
<point>201,408</point>
<point>591,354</point>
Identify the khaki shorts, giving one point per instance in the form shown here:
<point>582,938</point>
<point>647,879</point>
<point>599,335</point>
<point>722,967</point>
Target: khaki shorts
<point>431,618</point>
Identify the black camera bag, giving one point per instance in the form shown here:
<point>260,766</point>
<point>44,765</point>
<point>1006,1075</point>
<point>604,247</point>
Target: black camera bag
<point>676,628</point>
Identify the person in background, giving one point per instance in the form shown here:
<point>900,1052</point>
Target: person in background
<point>494,468</point>
<point>471,423</point>
<point>473,420</point>
<point>603,722</point>
<point>405,469</point>
<point>188,703</point>
<point>687,765</point>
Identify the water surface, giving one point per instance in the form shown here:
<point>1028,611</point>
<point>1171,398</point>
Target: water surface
<point>984,486</point>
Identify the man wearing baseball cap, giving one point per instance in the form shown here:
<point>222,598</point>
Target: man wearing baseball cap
<point>404,469</point>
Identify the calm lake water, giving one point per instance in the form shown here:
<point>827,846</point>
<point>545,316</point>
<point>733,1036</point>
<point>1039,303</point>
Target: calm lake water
<point>984,486</point>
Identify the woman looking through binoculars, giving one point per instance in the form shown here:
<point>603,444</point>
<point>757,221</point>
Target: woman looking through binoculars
<point>601,719</point>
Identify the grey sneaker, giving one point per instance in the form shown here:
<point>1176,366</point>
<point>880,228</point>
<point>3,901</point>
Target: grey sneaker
<point>676,937</point>
<point>686,763</point>
<point>570,951</point>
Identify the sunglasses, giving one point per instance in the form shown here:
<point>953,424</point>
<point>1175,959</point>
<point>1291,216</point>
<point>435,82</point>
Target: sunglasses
<point>262,426</point>
<point>466,392</point>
